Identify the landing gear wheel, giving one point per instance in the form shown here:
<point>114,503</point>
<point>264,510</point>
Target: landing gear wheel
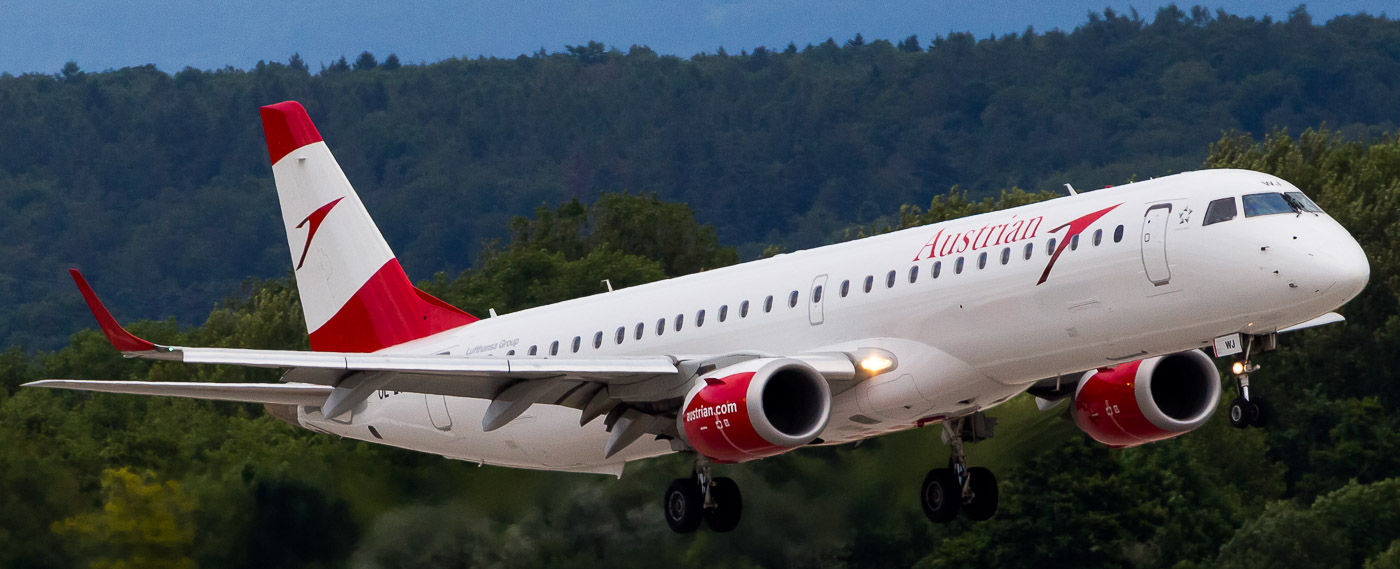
<point>729,505</point>
<point>1259,415</point>
<point>940,495</point>
<point>1241,413</point>
<point>983,504</point>
<point>684,505</point>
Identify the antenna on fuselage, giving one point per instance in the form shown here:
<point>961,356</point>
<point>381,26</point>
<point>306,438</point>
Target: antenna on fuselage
<point>609,283</point>
<point>1071,189</point>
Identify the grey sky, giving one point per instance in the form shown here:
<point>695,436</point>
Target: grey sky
<point>39,36</point>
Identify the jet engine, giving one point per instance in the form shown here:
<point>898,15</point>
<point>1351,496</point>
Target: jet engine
<point>1147,400</point>
<point>755,409</point>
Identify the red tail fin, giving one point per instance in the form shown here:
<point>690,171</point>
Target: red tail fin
<point>354,294</point>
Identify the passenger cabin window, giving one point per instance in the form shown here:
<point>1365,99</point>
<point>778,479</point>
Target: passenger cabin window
<point>889,280</point>
<point>1268,204</point>
<point>1005,255</point>
<point>744,309</point>
<point>845,288</point>
<point>660,326</point>
<point>817,294</point>
<point>957,266</point>
<point>1074,243</point>
<point>578,343</point>
<point>982,260</point>
<point>913,274</point>
<point>869,283</point>
<point>937,268</point>
<point>680,321</point>
<point>1030,250</point>
<point>554,348</point>
<point>621,334</point>
<point>598,339</point>
<point>700,318</point>
<point>1098,237</point>
<point>768,304</point>
<point>792,300</point>
<point>1118,234</point>
<point>723,312</point>
<point>1220,210</point>
<point>1050,246</point>
<point>641,329</point>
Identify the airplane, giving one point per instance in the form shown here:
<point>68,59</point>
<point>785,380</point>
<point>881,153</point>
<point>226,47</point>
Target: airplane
<point>1108,299</point>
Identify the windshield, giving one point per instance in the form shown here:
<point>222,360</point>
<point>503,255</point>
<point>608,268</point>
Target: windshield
<point>1303,202</point>
<point>1269,204</point>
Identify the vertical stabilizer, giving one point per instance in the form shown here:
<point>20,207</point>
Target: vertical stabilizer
<point>355,295</point>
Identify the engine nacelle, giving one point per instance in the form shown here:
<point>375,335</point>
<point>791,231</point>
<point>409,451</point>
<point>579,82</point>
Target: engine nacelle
<point>755,409</point>
<point>1147,400</point>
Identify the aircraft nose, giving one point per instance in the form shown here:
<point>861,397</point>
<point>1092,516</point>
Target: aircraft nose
<point>1345,262</point>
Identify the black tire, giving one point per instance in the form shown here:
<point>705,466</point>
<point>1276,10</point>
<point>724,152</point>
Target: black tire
<point>984,494</point>
<point>940,495</point>
<point>683,505</point>
<point>1259,412</point>
<point>729,506</point>
<point>1239,413</point>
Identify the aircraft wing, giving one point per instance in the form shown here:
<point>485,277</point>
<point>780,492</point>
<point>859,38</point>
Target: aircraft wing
<point>336,382</point>
<point>270,393</point>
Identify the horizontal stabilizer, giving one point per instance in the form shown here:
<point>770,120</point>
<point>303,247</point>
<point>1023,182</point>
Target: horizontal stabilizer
<point>275,393</point>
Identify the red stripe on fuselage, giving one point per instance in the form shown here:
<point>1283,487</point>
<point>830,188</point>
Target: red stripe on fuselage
<point>386,311</point>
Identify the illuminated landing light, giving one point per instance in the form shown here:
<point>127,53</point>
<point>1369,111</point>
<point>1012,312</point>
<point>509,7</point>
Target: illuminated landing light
<point>1244,367</point>
<point>876,364</point>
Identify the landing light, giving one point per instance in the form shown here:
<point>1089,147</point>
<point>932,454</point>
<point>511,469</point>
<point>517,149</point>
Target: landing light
<point>876,364</point>
<point>1238,368</point>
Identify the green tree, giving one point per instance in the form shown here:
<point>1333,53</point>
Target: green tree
<point>142,523</point>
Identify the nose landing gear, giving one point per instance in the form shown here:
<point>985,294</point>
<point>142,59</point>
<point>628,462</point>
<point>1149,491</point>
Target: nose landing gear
<point>1246,411</point>
<point>946,491</point>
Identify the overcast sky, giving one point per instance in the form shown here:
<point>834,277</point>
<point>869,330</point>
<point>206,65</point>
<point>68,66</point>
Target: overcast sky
<point>40,35</point>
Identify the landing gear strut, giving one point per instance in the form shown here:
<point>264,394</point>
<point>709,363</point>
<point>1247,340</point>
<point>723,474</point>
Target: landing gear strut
<point>702,497</point>
<point>973,490</point>
<point>1246,410</point>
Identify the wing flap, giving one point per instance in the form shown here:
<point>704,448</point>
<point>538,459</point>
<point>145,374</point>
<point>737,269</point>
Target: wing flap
<point>274,393</point>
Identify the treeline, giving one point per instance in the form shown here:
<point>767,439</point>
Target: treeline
<point>158,184</point>
<point>105,480</point>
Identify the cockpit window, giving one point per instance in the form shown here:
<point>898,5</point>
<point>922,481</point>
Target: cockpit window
<point>1268,204</point>
<point>1220,210</point>
<point>1303,202</point>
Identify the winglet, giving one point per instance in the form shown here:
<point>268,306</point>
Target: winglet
<point>118,336</point>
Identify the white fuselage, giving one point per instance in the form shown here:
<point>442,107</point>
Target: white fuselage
<point>965,341</point>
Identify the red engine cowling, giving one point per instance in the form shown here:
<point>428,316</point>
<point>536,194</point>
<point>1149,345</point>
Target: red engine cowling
<point>755,409</point>
<point>1147,400</point>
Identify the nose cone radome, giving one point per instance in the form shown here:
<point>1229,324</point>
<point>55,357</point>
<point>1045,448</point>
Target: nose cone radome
<point>1347,265</point>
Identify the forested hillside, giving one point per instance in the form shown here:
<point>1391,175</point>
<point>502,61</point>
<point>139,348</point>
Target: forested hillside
<point>158,184</point>
<point>91,480</point>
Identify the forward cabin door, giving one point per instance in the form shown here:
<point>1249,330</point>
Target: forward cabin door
<point>815,298</point>
<point>1154,244</point>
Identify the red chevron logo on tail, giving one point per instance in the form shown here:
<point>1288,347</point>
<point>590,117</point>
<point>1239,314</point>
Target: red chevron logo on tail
<point>315,220</point>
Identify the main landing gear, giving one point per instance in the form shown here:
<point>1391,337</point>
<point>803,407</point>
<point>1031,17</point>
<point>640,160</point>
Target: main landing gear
<point>702,497</point>
<point>946,491</point>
